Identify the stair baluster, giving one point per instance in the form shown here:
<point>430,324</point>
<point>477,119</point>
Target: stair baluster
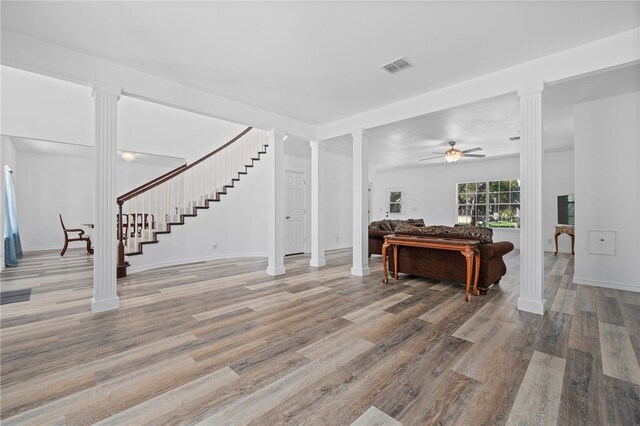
<point>153,208</point>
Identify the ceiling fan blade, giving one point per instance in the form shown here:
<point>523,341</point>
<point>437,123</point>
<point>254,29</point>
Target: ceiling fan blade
<point>475,155</point>
<point>471,150</point>
<point>431,158</point>
<point>441,153</point>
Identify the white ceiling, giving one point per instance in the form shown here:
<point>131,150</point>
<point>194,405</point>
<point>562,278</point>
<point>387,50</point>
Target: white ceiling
<point>489,123</point>
<point>319,61</point>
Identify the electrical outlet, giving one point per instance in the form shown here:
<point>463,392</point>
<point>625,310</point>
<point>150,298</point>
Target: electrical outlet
<point>215,244</point>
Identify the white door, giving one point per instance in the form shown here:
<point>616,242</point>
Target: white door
<point>294,211</point>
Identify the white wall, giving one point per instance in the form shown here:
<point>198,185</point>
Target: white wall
<point>338,201</point>
<point>8,157</point>
<point>607,188</point>
<point>237,226</point>
<point>557,179</point>
<point>48,185</point>
<point>338,206</point>
<point>430,192</point>
<point>39,107</point>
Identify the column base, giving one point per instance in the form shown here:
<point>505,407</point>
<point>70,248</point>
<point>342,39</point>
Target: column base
<point>360,272</point>
<point>275,270</point>
<point>317,263</point>
<point>532,306</point>
<point>104,304</point>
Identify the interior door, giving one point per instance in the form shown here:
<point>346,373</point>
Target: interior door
<point>294,212</point>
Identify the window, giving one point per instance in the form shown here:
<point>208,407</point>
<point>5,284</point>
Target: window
<point>395,200</point>
<point>495,204</point>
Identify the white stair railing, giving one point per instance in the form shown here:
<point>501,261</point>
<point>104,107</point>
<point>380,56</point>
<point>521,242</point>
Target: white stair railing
<point>153,207</point>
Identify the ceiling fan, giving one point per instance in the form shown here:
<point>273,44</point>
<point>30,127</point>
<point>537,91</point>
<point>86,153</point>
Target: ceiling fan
<point>452,154</point>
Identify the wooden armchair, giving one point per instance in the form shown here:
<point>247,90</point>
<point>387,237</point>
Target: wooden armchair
<point>79,237</point>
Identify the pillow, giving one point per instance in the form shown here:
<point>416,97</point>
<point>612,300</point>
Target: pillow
<point>375,225</point>
<point>416,222</point>
<point>484,235</point>
<point>386,225</point>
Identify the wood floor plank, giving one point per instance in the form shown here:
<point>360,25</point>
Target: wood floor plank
<point>155,409</point>
<point>539,395</point>
<point>261,401</point>
<point>476,362</point>
<point>373,416</point>
<point>564,301</point>
<point>222,340</point>
<point>441,311</point>
<point>618,357</point>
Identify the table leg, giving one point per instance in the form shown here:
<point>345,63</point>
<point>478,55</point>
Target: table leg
<point>573,239</point>
<point>395,261</point>
<point>385,280</point>
<point>476,274</point>
<point>468,257</point>
<point>555,237</point>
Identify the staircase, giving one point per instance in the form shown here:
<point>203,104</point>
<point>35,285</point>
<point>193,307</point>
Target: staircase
<point>154,208</point>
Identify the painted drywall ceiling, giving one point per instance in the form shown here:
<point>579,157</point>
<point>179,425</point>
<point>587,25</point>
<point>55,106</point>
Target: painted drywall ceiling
<point>489,123</point>
<point>318,61</point>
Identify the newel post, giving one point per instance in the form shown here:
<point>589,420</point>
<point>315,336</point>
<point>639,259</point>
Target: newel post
<point>122,264</point>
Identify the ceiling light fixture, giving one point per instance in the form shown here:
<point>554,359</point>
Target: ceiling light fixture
<point>452,155</point>
<point>128,156</point>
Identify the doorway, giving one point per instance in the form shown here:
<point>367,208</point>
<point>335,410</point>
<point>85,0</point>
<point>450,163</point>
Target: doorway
<point>294,212</point>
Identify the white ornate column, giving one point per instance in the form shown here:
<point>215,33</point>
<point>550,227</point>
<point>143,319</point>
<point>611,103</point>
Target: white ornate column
<point>360,202</point>
<point>276,206</point>
<point>105,294</point>
<point>317,205</point>
<point>531,155</point>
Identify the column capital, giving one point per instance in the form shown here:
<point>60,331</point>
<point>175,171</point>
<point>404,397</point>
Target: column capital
<point>317,144</point>
<point>106,89</point>
<point>531,88</point>
<point>360,133</point>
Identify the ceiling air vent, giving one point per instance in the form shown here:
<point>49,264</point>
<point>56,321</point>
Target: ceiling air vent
<point>514,138</point>
<point>396,65</point>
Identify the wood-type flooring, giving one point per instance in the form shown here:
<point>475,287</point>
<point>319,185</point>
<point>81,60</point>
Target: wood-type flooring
<point>222,343</point>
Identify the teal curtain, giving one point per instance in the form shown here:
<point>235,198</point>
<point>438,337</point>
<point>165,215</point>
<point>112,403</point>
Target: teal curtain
<point>12,244</point>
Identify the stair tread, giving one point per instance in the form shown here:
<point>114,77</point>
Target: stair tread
<point>194,207</point>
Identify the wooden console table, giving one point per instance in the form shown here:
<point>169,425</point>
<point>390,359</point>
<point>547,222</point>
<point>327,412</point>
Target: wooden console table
<point>468,248</point>
<point>565,229</point>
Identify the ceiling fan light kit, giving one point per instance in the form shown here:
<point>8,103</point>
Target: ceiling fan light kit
<point>452,154</point>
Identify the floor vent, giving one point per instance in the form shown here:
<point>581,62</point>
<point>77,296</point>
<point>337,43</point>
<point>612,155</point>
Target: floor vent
<point>396,65</point>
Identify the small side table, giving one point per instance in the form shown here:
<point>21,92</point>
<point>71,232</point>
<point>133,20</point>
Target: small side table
<point>565,229</point>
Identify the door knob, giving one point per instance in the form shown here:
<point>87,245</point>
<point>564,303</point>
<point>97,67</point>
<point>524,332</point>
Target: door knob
<point>287,217</point>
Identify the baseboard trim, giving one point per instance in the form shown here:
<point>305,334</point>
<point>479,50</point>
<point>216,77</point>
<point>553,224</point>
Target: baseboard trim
<point>318,263</point>
<point>338,247</point>
<point>532,306</point>
<point>274,271</point>
<point>142,268</point>
<point>104,304</point>
<point>56,247</point>
<point>604,284</point>
<point>360,272</point>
